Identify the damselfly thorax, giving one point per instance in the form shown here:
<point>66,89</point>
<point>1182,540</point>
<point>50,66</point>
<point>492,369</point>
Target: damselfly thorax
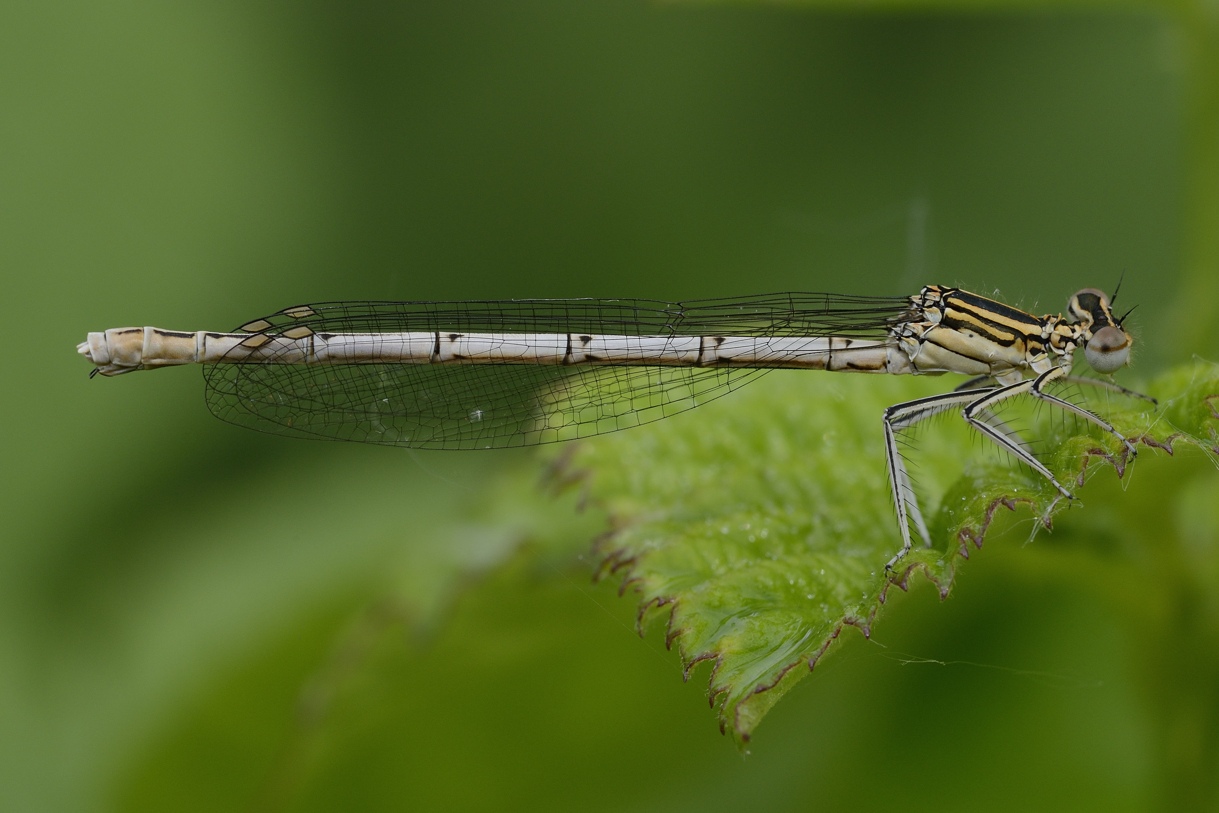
<point>492,374</point>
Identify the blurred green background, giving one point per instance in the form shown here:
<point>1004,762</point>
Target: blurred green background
<point>194,617</point>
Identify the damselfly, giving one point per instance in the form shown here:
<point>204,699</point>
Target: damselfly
<point>478,375</point>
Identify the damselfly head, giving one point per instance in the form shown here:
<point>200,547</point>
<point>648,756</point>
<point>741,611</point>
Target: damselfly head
<point>1090,307</point>
<point>1108,347</point>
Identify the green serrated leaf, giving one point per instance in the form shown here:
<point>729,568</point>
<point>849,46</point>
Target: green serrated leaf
<point>759,526</point>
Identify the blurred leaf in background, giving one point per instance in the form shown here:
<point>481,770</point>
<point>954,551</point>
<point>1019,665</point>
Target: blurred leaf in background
<point>196,617</point>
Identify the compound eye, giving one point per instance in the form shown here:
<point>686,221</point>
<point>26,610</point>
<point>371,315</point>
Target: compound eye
<point>1084,306</point>
<point>1108,350</point>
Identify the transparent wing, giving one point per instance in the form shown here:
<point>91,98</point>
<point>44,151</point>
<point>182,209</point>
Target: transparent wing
<point>480,405</point>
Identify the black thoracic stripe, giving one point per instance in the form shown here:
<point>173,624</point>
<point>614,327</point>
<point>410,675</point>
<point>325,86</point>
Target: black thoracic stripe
<point>991,306</point>
<point>992,320</point>
<point>961,320</point>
